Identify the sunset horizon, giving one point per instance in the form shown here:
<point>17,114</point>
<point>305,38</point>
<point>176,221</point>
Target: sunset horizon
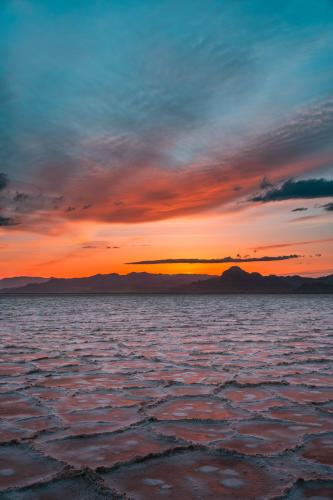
<point>174,269</point>
<point>208,140</point>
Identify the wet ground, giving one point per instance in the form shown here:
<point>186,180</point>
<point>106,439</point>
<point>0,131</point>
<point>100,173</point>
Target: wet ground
<point>173,397</point>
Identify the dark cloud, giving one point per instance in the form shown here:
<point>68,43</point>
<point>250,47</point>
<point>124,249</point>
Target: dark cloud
<point>299,209</point>
<point>6,221</point>
<point>19,197</point>
<point>328,207</point>
<point>265,183</point>
<point>224,260</point>
<point>293,189</point>
<point>3,181</point>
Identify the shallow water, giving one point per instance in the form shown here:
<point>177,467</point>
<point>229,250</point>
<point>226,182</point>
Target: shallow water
<point>166,397</point>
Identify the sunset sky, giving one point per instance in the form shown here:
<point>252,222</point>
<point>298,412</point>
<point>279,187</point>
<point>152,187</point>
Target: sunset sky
<point>144,130</point>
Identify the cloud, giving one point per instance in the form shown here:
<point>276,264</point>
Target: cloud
<point>133,183</point>
<point>291,244</point>
<point>264,184</point>
<point>79,251</point>
<point>328,207</point>
<point>3,181</point>
<point>305,218</point>
<point>138,180</point>
<point>299,209</point>
<point>58,260</point>
<point>7,221</point>
<point>20,197</point>
<point>4,220</point>
<point>88,245</point>
<point>224,260</point>
<point>302,189</point>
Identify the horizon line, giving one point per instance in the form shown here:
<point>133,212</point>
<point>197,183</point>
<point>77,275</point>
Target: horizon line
<point>327,272</point>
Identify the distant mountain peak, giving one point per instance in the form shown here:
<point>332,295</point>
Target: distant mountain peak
<point>234,271</point>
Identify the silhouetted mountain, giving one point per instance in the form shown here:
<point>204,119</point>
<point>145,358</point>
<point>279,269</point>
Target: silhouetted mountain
<point>234,280</point>
<point>315,287</point>
<point>327,279</point>
<point>111,283</point>
<point>20,281</point>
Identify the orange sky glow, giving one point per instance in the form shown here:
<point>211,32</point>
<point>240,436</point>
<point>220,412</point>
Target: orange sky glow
<point>87,248</point>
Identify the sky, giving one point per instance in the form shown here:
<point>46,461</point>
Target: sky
<point>195,134</point>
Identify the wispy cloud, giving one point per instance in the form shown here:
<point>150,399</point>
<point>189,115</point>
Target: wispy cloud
<point>328,207</point>
<point>79,251</point>
<point>306,218</point>
<point>299,209</point>
<point>291,244</point>
<point>223,260</point>
<point>98,245</point>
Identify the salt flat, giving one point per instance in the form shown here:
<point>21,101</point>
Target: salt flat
<point>166,397</point>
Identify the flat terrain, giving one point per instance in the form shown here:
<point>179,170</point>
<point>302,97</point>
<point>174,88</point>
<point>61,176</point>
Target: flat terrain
<point>175,397</point>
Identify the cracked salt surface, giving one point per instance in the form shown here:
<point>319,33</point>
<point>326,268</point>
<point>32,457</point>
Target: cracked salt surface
<point>166,397</point>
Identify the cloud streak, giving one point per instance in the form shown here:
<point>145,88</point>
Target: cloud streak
<point>291,244</point>
<point>223,260</point>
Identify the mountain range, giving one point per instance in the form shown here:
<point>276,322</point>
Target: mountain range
<point>20,281</point>
<point>110,283</point>
<point>233,281</point>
